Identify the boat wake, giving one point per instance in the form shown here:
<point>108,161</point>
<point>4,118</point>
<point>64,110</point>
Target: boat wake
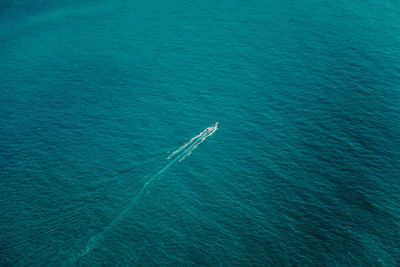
<point>178,155</point>
<point>186,149</point>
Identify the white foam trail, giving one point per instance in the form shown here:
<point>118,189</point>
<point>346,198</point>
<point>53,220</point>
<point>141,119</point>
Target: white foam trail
<point>186,149</point>
<point>185,145</point>
<point>181,153</point>
<point>189,151</point>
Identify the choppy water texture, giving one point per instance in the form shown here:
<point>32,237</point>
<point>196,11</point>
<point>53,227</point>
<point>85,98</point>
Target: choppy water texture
<point>96,95</point>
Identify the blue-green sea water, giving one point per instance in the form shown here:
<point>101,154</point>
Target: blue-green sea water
<point>303,170</point>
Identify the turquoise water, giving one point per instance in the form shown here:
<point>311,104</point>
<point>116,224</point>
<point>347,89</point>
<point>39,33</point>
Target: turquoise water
<point>304,167</point>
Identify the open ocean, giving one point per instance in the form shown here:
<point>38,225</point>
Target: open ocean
<point>95,97</point>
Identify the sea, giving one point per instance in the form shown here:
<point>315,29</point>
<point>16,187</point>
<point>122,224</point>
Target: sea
<point>110,154</point>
